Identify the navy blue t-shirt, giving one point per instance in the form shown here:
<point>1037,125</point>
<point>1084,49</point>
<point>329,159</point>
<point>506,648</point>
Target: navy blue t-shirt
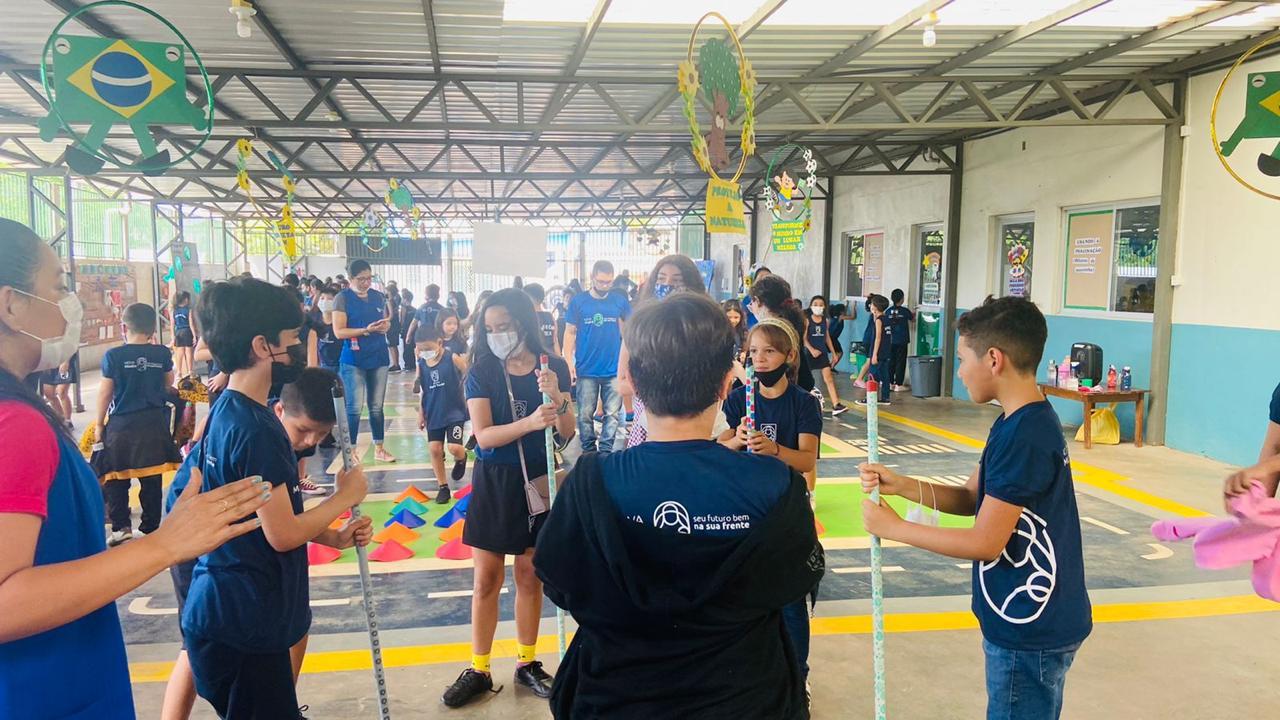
<point>1275,405</point>
<point>245,594</point>
<point>899,318</point>
<point>1033,596</point>
<point>484,380</point>
<point>182,318</point>
<point>361,313</point>
<point>138,374</point>
<point>328,346</point>
<point>427,314</point>
<point>442,401</point>
<point>547,322</point>
<point>456,344</point>
<point>599,332</point>
<point>782,419</point>
<point>816,332</point>
<point>694,487</point>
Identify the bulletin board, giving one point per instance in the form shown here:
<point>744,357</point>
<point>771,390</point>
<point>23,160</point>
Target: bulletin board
<point>873,268</point>
<point>1090,244</point>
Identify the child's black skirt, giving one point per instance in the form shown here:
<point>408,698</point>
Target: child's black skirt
<point>498,512</point>
<point>137,445</point>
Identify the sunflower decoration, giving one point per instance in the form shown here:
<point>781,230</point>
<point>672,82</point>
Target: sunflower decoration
<point>724,77</point>
<point>687,79</point>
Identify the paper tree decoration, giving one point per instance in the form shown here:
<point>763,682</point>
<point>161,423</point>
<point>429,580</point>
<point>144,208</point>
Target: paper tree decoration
<point>104,82</point>
<point>401,200</point>
<point>368,223</point>
<point>726,82</point>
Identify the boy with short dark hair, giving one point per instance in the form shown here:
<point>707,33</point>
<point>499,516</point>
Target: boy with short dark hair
<point>249,600</point>
<point>1028,567</point>
<point>880,336</point>
<point>134,424</point>
<point>899,317</point>
<point>676,556</point>
<point>546,321</point>
<point>443,412</point>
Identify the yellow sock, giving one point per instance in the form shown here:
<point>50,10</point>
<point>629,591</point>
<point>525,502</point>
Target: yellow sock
<point>526,653</point>
<point>481,662</point>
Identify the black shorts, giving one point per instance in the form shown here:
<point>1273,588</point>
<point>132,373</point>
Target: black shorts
<point>180,574</point>
<point>819,363</point>
<point>137,445</point>
<point>451,434</point>
<point>54,376</point>
<point>184,338</point>
<point>240,685</point>
<point>498,514</point>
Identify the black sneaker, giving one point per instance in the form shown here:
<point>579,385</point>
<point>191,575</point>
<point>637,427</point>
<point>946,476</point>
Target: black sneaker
<point>301,710</point>
<point>470,685</point>
<point>459,469</point>
<point>443,495</point>
<point>535,678</point>
<point>471,443</point>
<point>838,410</point>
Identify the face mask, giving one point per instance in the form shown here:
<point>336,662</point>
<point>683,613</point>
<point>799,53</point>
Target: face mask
<point>769,378</point>
<point>430,355</point>
<point>56,350</point>
<point>917,513</point>
<point>817,309</point>
<point>503,344</point>
<point>660,291</point>
<point>326,305</point>
<point>282,374</point>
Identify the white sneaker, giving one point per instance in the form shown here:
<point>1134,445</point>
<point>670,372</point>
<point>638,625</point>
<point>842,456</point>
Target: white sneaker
<point>119,537</point>
<point>308,487</point>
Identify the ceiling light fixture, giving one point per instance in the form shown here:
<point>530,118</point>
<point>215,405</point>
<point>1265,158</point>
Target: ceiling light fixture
<point>930,36</point>
<point>243,11</point>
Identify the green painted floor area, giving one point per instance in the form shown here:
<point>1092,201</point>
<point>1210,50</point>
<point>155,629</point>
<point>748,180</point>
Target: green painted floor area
<point>409,450</point>
<point>825,450</point>
<point>429,535</point>
<point>391,411</point>
<point>840,511</point>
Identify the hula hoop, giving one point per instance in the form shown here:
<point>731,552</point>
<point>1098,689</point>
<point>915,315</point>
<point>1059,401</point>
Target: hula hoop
<point>805,185</point>
<point>52,96</point>
<point>689,91</point>
<point>1213,117</point>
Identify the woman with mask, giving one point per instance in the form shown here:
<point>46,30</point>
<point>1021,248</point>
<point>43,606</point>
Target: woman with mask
<point>58,582</point>
<point>504,391</point>
<point>362,318</point>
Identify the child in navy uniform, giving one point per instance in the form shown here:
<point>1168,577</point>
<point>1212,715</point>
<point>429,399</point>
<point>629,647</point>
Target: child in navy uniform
<point>184,339</point>
<point>899,319</point>
<point>443,412</point>
<point>1028,567</point>
<point>134,424</point>
<point>56,385</point>
<point>879,358</point>
<point>676,556</point>
<point>249,601</point>
<point>824,353</point>
<point>504,390</point>
<point>546,320</point>
<point>788,427</point>
<point>328,345</point>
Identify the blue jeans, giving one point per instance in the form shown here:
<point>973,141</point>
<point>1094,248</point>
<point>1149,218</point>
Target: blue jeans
<point>1026,684</point>
<point>363,386</point>
<point>795,618</point>
<point>606,390</point>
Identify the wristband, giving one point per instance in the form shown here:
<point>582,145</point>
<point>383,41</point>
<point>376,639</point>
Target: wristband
<point>564,407</point>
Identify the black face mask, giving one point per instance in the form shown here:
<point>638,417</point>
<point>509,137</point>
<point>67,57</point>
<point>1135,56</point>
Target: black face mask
<point>283,374</point>
<point>769,378</point>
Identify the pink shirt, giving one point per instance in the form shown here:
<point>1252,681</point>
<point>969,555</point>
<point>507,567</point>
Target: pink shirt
<point>28,459</point>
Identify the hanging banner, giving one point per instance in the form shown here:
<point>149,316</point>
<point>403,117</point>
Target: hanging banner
<point>725,213</point>
<point>788,235</point>
<point>105,289</point>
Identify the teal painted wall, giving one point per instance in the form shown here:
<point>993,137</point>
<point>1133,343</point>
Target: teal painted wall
<point>1221,380</point>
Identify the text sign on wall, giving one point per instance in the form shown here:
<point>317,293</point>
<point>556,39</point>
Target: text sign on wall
<point>724,208</point>
<point>873,269</point>
<point>1090,244</point>
<point>788,235</point>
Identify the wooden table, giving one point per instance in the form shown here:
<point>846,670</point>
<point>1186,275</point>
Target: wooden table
<point>1090,399</point>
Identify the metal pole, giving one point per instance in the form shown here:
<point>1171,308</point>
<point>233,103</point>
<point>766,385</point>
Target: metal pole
<point>155,264</point>
<point>31,202</point>
<point>71,269</point>
<point>951,256</point>
<point>877,569</point>
<point>543,364</point>
<point>752,253</point>
<point>828,221</point>
<point>1166,256</point>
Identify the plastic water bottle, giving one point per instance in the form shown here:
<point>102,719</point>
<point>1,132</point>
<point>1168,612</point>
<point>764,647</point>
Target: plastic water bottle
<point>355,344</point>
<point>1111,378</point>
<point>1126,379</point>
<point>1053,373</point>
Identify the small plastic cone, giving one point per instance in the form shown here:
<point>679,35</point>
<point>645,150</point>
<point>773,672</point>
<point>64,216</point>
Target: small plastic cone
<point>411,505</point>
<point>817,525</point>
<point>407,519</point>
<point>320,554</point>
<point>412,492</point>
<point>398,533</point>
<point>449,518</point>
<point>454,550</point>
<point>463,492</point>
<point>453,532</point>
<point>390,551</point>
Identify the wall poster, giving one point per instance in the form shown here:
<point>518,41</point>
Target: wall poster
<point>1087,282</point>
<point>873,269</point>
<point>105,288</point>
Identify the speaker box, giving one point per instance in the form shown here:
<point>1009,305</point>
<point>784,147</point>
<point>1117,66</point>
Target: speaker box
<point>1090,358</point>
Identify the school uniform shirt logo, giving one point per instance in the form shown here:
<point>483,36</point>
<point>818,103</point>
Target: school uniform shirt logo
<point>1029,558</point>
<point>435,380</point>
<point>456,433</point>
<point>141,365</point>
<point>770,431</point>
<point>597,320</point>
<point>672,514</point>
<point>522,409</point>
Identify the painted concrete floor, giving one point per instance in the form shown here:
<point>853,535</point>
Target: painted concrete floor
<point>1170,639</point>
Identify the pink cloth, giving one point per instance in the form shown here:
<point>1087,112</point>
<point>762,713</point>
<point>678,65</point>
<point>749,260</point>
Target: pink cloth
<point>1250,535</point>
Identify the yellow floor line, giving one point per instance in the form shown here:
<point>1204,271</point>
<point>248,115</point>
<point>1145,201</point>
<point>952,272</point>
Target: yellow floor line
<point>1084,474</point>
<point>351,660</point>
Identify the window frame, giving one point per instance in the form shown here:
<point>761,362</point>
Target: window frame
<point>1115,208</point>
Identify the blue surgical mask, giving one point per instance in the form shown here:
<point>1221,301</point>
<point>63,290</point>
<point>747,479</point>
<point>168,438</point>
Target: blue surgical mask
<point>662,290</point>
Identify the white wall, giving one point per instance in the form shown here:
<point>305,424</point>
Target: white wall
<point>323,267</point>
<point>1043,170</point>
<point>1230,247</point>
<point>803,268</point>
<point>892,204</point>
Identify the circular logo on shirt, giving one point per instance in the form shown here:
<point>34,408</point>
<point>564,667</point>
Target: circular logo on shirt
<point>597,320</point>
<point>1028,567</point>
<point>141,364</point>
<point>672,514</point>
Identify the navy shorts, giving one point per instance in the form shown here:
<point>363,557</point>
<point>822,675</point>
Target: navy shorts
<point>451,434</point>
<point>241,685</point>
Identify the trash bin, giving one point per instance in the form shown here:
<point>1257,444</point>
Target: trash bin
<point>926,375</point>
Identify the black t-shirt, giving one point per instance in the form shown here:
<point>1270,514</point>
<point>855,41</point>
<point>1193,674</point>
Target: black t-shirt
<point>782,419</point>
<point>485,380</point>
<point>547,323</point>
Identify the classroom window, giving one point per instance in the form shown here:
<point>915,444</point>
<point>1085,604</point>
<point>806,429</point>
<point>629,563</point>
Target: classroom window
<point>1017,241</point>
<point>1137,240</point>
<point>1111,256</point>
<point>930,253</point>
<point>856,263</point>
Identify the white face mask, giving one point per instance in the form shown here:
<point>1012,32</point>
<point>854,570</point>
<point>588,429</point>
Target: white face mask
<point>430,355</point>
<point>56,350</point>
<point>917,512</point>
<point>325,305</point>
<point>503,344</point>
<point>817,309</point>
